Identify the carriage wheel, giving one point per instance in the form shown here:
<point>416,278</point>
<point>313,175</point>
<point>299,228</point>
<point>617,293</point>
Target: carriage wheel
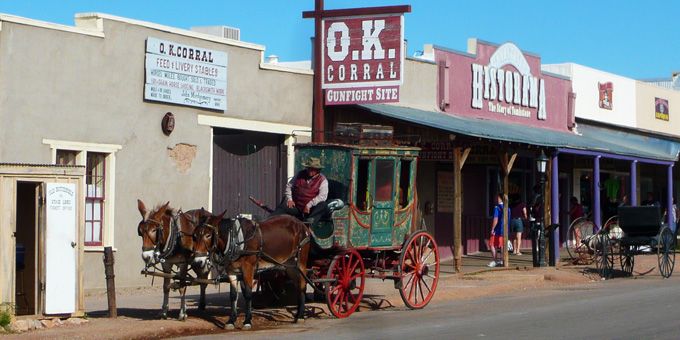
<point>604,257</point>
<point>627,259</point>
<point>666,252</point>
<point>344,294</point>
<point>580,230</point>
<point>419,270</point>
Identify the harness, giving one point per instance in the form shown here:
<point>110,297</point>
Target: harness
<point>160,255</point>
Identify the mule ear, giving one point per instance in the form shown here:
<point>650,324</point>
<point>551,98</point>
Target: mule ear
<point>142,208</point>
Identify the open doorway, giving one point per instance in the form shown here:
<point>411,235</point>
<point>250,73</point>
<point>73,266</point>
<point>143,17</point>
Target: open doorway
<point>26,249</point>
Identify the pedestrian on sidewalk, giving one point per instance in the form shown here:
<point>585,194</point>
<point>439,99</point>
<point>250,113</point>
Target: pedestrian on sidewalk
<point>518,211</point>
<point>496,239</point>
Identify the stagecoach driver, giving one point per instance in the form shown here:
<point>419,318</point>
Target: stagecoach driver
<point>306,193</point>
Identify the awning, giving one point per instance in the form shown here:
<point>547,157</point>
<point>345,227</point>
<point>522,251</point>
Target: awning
<point>591,138</point>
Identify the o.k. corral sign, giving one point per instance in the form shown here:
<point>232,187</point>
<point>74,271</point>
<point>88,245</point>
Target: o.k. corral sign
<point>185,75</point>
<point>362,59</point>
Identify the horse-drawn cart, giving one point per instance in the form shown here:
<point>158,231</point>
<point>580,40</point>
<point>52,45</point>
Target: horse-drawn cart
<point>377,233</point>
<point>642,231</point>
<point>373,230</point>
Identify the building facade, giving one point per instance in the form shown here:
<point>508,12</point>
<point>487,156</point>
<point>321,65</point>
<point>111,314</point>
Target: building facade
<point>95,95</point>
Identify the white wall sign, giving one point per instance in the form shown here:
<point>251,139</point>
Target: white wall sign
<point>186,75</point>
<point>60,253</point>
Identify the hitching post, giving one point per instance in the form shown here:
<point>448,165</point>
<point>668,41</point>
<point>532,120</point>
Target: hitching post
<point>110,282</point>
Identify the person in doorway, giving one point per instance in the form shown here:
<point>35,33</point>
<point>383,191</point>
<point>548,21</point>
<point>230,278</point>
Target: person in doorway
<point>576,209</point>
<point>518,211</point>
<point>306,193</point>
<point>624,201</point>
<point>496,240</point>
<point>575,212</point>
<point>650,201</point>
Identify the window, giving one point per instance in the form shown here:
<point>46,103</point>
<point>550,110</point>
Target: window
<point>384,176</point>
<point>363,198</point>
<point>95,179</point>
<point>99,189</point>
<point>404,182</point>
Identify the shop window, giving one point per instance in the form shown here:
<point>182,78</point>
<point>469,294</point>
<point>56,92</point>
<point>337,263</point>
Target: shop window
<point>404,183</point>
<point>384,177</point>
<point>363,199</point>
<point>95,177</point>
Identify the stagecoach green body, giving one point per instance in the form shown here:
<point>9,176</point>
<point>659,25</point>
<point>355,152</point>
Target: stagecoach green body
<point>377,185</point>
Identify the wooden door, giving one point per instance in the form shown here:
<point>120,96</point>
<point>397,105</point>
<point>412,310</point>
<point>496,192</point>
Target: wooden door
<point>382,217</point>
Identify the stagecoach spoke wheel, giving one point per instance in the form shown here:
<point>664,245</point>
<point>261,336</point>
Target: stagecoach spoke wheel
<point>344,294</point>
<point>419,270</point>
<point>627,259</point>
<point>666,252</point>
<point>604,257</point>
<point>579,231</point>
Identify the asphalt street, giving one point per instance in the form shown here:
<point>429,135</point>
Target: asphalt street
<point>624,308</point>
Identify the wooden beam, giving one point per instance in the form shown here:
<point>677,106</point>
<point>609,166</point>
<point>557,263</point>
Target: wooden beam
<point>458,208</point>
<point>464,157</point>
<point>346,12</point>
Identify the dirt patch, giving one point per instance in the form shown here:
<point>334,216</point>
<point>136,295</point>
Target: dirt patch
<point>140,322</point>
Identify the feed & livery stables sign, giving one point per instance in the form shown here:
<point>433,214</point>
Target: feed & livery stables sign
<point>180,74</point>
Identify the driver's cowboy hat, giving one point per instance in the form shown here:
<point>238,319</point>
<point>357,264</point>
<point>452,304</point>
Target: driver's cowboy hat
<point>313,162</point>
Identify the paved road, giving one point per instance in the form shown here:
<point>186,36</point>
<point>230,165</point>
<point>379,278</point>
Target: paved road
<point>647,307</point>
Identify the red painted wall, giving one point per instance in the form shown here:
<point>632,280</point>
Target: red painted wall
<point>456,96</point>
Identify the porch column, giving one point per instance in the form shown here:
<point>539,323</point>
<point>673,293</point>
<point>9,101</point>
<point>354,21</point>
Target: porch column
<point>669,198</point>
<point>554,210</point>
<point>507,160</point>
<point>597,218</point>
<point>632,196</point>
<point>459,156</point>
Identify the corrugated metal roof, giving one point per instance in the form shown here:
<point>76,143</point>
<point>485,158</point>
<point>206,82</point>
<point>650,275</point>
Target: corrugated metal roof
<point>591,138</point>
<point>40,165</point>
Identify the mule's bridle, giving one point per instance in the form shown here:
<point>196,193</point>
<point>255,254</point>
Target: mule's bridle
<point>159,234</point>
<point>214,238</point>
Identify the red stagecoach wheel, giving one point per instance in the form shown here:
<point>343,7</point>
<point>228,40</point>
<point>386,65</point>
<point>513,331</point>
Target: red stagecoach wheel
<point>344,294</point>
<point>419,270</point>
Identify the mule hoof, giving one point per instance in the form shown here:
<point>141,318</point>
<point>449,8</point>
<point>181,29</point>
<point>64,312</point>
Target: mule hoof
<point>163,315</point>
<point>229,326</point>
<point>300,320</point>
<point>247,326</point>
<point>182,317</point>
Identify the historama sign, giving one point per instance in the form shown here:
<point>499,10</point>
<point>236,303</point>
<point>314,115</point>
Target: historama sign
<point>503,83</point>
<point>362,59</point>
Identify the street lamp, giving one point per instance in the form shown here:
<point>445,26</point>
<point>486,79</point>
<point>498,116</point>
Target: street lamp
<point>538,228</point>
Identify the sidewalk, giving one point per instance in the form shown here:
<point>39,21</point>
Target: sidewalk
<point>137,308</point>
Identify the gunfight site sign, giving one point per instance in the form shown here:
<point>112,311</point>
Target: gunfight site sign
<point>362,59</point>
<point>185,75</point>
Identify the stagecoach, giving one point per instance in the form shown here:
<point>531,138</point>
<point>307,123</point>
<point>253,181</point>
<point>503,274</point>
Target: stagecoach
<point>372,230</point>
<point>376,230</point>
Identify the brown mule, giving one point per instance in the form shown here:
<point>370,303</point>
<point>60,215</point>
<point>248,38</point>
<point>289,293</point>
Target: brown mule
<point>167,241</point>
<point>244,247</point>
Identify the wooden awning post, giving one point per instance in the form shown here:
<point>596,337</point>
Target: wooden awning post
<point>507,161</point>
<point>459,156</point>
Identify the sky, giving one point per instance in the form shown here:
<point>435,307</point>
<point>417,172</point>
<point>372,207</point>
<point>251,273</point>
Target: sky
<point>636,39</point>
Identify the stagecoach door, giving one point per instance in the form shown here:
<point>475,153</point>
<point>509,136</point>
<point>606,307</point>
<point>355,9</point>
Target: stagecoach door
<point>60,247</point>
<point>383,203</point>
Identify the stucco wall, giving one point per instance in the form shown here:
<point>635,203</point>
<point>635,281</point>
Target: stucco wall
<point>67,86</point>
<point>420,85</point>
<point>585,85</point>
<point>646,118</point>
